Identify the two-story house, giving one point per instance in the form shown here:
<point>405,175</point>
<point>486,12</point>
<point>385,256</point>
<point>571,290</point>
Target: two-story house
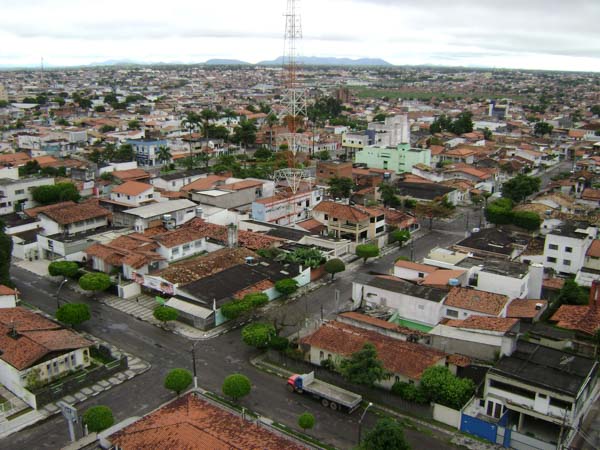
<point>286,208</point>
<point>350,222</point>
<point>146,151</point>
<point>16,195</point>
<point>543,393</point>
<point>66,228</point>
<point>590,271</point>
<point>175,181</point>
<point>169,214</point>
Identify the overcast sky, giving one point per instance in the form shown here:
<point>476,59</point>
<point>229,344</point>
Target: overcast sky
<point>532,34</point>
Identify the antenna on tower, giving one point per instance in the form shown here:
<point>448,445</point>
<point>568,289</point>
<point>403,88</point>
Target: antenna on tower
<point>294,97</point>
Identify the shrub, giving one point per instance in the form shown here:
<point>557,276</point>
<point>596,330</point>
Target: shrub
<point>334,266</point>
<point>236,386</point>
<point>286,286</point>
<point>178,380</point>
<point>366,251</point>
<point>279,343</point>
<point>258,334</point>
<point>306,421</point>
<point>98,418</point>
<point>165,313</point>
<point>409,392</point>
<point>73,313</point>
<point>235,308</point>
<point>63,268</point>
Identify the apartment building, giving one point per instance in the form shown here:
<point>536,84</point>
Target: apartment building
<point>16,195</point>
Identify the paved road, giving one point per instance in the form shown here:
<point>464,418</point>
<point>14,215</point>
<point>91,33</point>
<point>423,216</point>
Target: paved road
<point>217,358</point>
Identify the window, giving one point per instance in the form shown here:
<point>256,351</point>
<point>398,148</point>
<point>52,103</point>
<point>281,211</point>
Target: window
<point>186,247</point>
<point>560,403</point>
<point>326,216</point>
<point>421,307</point>
<point>452,312</point>
<point>512,389</point>
<point>567,262</point>
<point>19,191</point>
<point>551,259</point>
<point>175,251</point>
<point>397,379</point>
<point>553,247</point>
<point>321,355</point>
<point>569,249</point>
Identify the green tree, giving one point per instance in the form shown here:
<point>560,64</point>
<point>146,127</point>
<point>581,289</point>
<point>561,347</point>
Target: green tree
<point>68,269</point>
<point>463,123</point>
<point>258,334</point>
<point>445,388</point>
<point>363,367</point>
<point>542,128</point>
<point>165,313</point>
<point>61,192</point>
<point>572,294</point>
<point>164,154</point>
<point>178,380</point>
<point>306,421</point>
<point>6,245</point>
<point>526,219</point>
<point>191,122</point>
<point>206,116</point>
<point>520,187</point>
<point>236,386</point>
<point>400,236</point>
<point>98,418</point>
<point>235,308</point>
<point>340,187</point>
<point>366,251</point>
<point>595,110</point>
<point>245,133</point>
<point>124,153</point>
<point>388,195</point>
<point>95,282</point>
<point>499,211</point>
<point>263,154</point>
<point>323,155</point>
<point>333,266</point>
<point>134,124</point>
<point>286,286</point>
<point>73,313</point>
<point>435,209</point>
<point>99,109</point>
<point>386,435</point>
<point>487,134</point>
<point>271,121</point>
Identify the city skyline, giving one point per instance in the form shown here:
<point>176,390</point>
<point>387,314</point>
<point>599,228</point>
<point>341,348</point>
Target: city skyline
<point>536,35</point>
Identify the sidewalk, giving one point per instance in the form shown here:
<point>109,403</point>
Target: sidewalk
<point>455,437</point>
<point>136,365</point>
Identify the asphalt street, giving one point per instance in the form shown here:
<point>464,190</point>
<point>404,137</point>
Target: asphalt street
<point>216,358</point>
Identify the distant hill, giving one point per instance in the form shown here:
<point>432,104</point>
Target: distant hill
<point>326,61</point>
<point>226,62</point>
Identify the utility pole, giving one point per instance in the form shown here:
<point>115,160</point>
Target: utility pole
<point>194,364</point>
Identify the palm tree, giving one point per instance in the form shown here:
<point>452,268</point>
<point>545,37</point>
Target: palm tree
<point>207,115</point>
<point>272,120</point>
<point>190,122</point>
<point>164,154</point>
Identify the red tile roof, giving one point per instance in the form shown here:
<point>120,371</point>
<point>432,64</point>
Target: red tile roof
<point>415,266</point>
<point>75,213</point>
<point>192,423</point>
<point>379,323</point>
<point>594,249</point>
<point>131,174</point>
<point>584,318</point>
<point>132,188</point>
<point>35,338</point>
<point>5,290</point>
<point>345,212</point>
<point>525,309</point>
<point>33,212</point>
<point>401,357</point>
<point>500,324</point>
<point>203,184</point>
<point>478,301</point>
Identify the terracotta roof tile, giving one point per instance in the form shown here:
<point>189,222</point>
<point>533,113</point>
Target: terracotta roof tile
<point>345,212</point>
<point>132,188</point>
<point>192,423</point>
<point>380,323</point>
<point>131,174</point>
<point>203,184</point>
<point>584,318</point>
<point>33,212</point>
<point>594,249</point>
<point>500,324</point>
<point>478,301</point>
<point>525,308</point>
<point>75,213</point>
<point>401,357</point>
<point>35,337</point>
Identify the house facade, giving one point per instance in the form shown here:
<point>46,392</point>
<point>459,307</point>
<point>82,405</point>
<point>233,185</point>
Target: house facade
<point>16,195</point>
<point>350,222</point>
<point>400,159</point>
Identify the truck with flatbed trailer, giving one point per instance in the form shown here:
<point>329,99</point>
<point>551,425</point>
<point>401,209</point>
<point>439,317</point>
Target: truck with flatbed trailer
<point>329,395</point>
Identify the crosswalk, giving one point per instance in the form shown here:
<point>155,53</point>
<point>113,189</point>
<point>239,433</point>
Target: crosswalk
<point>140,307</point>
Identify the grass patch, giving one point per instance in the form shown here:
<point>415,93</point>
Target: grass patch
<point>20,413</point>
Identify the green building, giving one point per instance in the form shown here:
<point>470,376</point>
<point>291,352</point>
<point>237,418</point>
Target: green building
<point>400,159</point>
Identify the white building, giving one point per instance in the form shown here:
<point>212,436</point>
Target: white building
<point>393,131</point>
<point>16,195</point>
<point>134,194</point>
<point>565,247</point>
<point>285,209</point>
<point>410,301</point>
<point>35,349</point>
<point>175,181</point>
<point>170,214</point>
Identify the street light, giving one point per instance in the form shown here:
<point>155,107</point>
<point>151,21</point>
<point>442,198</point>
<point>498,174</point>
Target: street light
<point>361,419</point>
<point>58,292</point>
<point>194,364</point>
